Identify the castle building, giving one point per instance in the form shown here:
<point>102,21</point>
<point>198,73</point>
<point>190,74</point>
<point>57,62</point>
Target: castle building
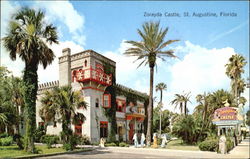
<point>94,75</point>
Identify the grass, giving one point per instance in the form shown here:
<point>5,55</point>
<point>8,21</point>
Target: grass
<point>13,151</point>
<point>179,145</point>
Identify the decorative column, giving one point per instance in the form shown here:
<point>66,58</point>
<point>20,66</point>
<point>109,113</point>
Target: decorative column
<point>218,130</point>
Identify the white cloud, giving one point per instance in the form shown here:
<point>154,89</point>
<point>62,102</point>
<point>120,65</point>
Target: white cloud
<point>51,73</point>
<point>200,70</point>
<point>7,9</point>
<point>66,14</point>
<point>63,11</point>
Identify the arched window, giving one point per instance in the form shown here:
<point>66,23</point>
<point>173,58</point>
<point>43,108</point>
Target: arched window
<point>97,103</point>
<point>85,63</point>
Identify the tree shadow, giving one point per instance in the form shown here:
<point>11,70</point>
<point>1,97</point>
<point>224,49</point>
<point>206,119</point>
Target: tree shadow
<point>94,152</point>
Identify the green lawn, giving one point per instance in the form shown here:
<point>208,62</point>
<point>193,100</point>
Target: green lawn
<point>179,145</point>
<point>13,151</point>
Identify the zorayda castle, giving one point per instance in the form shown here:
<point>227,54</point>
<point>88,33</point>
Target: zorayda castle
<point>94,75</point>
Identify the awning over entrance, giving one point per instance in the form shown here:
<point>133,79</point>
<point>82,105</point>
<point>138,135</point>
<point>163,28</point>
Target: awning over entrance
<point>138,116</point>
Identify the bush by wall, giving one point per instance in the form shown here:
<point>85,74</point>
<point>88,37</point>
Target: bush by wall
<point>110,144</point>
<point>209,145</point>
<point>73,141</point>
<point>123,144</point>
<point>19,141</point>
<point>3,135</point>
<point>39,132</point>
<point>84,140</point>
<point>49,140</point>
<point>6,141</point>
<point>230,144</point>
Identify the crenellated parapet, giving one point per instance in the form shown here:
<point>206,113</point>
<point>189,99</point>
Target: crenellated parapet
<point>47,86</point>
<point>84,54</point>
<point>124,88</point>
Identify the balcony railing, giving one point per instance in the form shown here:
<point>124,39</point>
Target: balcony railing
<point>92,75</point>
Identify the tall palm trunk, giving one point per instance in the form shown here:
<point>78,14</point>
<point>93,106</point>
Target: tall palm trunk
<point>185,108</point>
<point>181,108</point>
<point>150,106</point>
<point>18,122</point>
<point>160,111</point>
<point>204,117</point>
<point>30,92</point>
<point>236,91</point>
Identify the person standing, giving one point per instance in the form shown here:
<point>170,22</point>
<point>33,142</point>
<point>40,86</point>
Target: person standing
<point>135,138</point>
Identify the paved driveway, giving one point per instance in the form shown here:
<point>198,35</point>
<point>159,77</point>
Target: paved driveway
<point>241,151</point>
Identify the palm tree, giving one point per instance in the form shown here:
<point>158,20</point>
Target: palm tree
<point>62,102</point>
<point>241,85</point>
<point>181,100</point>
<point>186,99</point>
<point>234,69</point>
<point>202,107</point>
<point>160,87</point>
<point>148,50</point>
<point>178,102</point>
<point>27,37</point>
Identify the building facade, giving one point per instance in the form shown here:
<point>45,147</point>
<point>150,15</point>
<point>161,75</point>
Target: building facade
<point>94,75</point>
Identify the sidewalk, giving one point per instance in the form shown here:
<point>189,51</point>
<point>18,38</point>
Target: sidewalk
<point>242,150</point>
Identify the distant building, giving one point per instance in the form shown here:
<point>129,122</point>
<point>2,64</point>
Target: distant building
<point>90,73</point>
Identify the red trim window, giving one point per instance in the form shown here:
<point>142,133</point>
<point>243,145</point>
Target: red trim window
<point>78,129</point>
<point>103,129</point>
<point>73,76</point>
<point>106,100</point>
<point>120,105</point>
<point>41,124</point>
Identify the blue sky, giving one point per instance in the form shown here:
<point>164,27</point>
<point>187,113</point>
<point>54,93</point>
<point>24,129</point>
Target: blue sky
<point>205,44</point>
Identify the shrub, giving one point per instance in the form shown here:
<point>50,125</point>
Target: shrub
<point>6,141</point>
<point>230,144</point>
<point>39,133</point>
<point>208,145</point>
<point>19,141</point>
<point>110,144</point>
<point>123,144</point>
<point>84,140</point>
<point>187,128</point>
<point>159,140</point>
<point>95,143</point>
<point>73,141</point>
<point>50,140</point>
<point>68,147</point>
<point>3,135</point>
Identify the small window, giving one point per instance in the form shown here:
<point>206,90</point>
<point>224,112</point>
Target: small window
<point>54,124</point>
<point>41,123</point>
<point>85,63</point>
<point>97,103</point>
<point>119,106</point>
<point>106,100</point>
<point>103,129</point>
<point>78,128</point>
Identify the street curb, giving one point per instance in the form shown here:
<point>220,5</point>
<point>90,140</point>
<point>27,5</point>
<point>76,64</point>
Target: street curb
<point>54,154</point>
